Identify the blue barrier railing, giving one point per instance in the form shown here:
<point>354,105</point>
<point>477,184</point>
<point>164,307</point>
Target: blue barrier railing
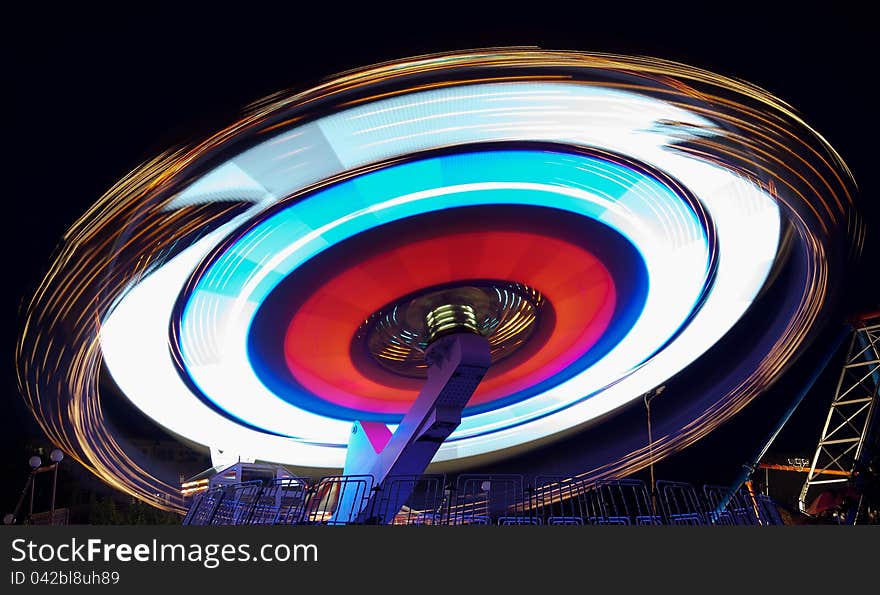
<point>476,500</point>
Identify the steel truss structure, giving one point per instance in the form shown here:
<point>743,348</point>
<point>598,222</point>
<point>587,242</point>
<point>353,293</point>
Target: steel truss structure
<point>841,447</point>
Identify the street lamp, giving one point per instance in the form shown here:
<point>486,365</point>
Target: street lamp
<point>35,461</point>
<point>57,456</point>
<point>648,397</point>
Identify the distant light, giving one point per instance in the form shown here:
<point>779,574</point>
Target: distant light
<point>35,461</point>
<point>57,456</point>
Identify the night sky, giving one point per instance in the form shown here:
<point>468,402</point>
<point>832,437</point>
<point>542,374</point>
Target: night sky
<point>95,94</point>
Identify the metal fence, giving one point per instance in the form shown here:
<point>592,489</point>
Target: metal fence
<point>680,504</point>
<point>477,500</point>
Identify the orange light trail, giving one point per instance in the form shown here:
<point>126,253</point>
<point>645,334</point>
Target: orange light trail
<point>129,232</point>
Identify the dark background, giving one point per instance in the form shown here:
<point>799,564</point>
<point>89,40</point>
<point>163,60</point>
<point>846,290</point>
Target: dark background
<point>94,93</point>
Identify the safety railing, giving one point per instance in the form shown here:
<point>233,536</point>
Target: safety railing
<point>725,508</point>
<point>629,499</point>
<point>411,500</point>
<point>205,506</point>
<point>473,499</point>
<point>489,500</point>
<point>237,503</point>
<point>563,501</point>
<point>338,500</point>
<point>281,502</point>
<point>680,503</point>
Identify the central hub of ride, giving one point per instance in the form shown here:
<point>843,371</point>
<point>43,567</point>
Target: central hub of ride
<point>451,318</point>
<point>505,313</point>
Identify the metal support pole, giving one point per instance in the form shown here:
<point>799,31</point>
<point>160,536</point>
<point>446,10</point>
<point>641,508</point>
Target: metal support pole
<point>24,492</point>
<point>30,517</point>
<point>457,364</point>
<point>650,442</point>
<point>54,486</point>
<point>648,397</point>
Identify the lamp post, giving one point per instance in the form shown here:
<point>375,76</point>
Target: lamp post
<point>34,462</point>
<point>649,396</point>
<point>57,456</point>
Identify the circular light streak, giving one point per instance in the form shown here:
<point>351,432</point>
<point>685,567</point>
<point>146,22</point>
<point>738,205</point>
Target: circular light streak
<point>230,289</point>
<point>699,175</point>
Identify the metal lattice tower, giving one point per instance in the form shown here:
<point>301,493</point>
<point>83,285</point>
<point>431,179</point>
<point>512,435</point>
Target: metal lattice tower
<point>850,417</point>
